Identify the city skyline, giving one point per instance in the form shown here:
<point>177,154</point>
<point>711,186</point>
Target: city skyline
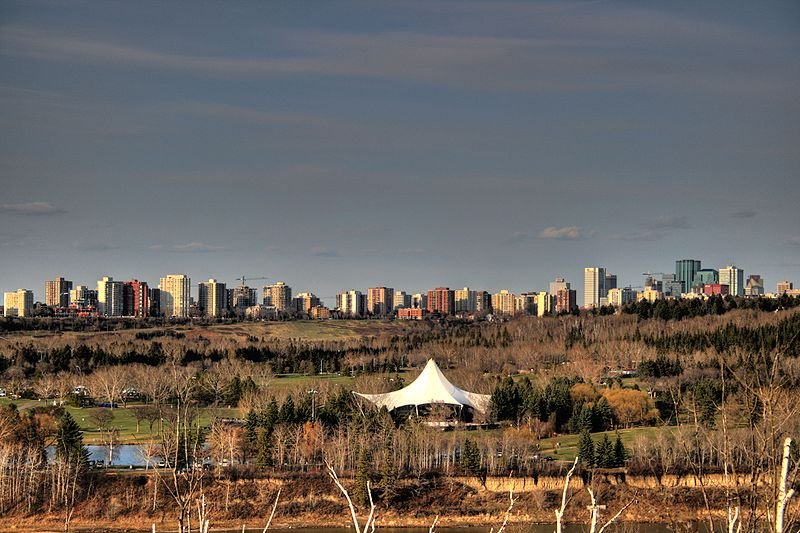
<point>596,284</point>
<point>467,144</point>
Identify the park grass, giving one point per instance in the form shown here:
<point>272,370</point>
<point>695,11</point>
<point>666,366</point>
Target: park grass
<point>568,444</point>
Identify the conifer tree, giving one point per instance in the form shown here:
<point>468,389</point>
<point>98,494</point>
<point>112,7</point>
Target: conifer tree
<point>363,474</point>
<point>620,454</point>
<point>287,415</point>
<point>586,455</point>
<point>604,454</point>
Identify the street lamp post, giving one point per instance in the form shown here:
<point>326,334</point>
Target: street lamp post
<point>313,393</point>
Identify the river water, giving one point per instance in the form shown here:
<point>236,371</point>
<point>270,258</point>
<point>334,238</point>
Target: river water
<point>694,527</point>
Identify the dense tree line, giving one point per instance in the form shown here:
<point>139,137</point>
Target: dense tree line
<point>679,309</point>
<point>784,336</point>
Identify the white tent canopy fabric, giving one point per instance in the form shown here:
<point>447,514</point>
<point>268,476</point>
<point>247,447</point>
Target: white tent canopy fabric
<point>430,387</point>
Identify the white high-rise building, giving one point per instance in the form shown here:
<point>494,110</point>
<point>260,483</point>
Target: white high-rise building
<point>109,296</point>
<point>594,286</point>
<point>401,300</point>
<point>278,295</point>
<point>419,301</point>
<point>18,303</point>
<point>734,278</point>
<point>619,297</point>
<point>545,304</point>
<point>175,292</point>
<point>211,297</point>
<point>350,303</point>
<point>465,300</point>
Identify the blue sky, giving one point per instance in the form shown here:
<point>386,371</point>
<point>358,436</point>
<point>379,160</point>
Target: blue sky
<point>416,144</point>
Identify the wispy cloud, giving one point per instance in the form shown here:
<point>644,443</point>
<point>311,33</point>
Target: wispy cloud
<point>793,241</point>
<point>92,246</point>
<point>567,233</point>
<point>322,251</point>
<point>667,222</point>
<point>517,237</point>
<point>191,247</point>
<point>602,52</point>
<point>746,213</point>
<point>31,209</point>
<point>640,236</point>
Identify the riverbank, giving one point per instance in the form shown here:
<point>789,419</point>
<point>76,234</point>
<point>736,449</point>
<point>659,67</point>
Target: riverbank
<point>134,502</point>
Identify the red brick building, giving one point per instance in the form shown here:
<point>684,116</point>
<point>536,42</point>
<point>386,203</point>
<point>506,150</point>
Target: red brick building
<point>442,300</point>
<point>135,299</point>
<point>411,313</point>
<point>713,289</point>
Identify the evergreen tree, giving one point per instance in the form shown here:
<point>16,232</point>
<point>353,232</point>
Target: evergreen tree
<point>363,474</point>
<point>69,441</point>
<point>270,416</point>
<point>604,454</point>
<point>602,415</point>
<point>233,391</point>
<point>586,455</point>
<point>264,448</point>
<point>287,415</point>
<point>470,460</point>
<point>620,454</point>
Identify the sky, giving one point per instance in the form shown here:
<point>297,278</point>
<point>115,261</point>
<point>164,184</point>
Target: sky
<point>413,144</point>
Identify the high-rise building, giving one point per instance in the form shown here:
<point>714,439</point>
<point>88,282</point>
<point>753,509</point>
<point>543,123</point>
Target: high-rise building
<point>211,297</point>
<point>783,287</point>
<point>610,283</point>
<point>619,297</point>
<point>380,301</point>
<point>243,297</point>
<point>303,302</point>
<point>401,300</point>
<point>686,272</point>
<point>754,286</point>
<point>155,302</point>
<point>135,299</point>
<point>558,284</point>
<point>594,286</point>
<point>671,286</point>
<point>175,295</point>
<point>441,300</point>
<point>483,302</point>
<point>18,303</point>
<point>503,302</point>
<point>716,289</point>
<point>733,277</point>
<point>82,297</point>
<point>465,300</point>
<point>109,297</point>
<point>278,295</point>
<point>566,300</point>
<point>350,303</point>
<point>545,304</point>
<point>705,276</point>
<point>419,301</point>
<point>56,292</point>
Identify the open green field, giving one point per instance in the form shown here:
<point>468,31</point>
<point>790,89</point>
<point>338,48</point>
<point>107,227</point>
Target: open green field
<point>568,444</point>
<point>123,420</point>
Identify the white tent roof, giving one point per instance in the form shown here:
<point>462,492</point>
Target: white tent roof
<point>430,387</point>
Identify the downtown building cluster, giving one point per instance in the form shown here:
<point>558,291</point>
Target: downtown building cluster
<point>176,297</point>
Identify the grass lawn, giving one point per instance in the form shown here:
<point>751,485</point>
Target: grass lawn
<point>124,420</point>
<point>568,444</point>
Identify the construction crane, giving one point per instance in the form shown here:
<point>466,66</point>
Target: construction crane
<point>244,279</point>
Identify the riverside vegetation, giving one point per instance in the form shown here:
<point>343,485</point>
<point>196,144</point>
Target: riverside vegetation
<point>701,427</point>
